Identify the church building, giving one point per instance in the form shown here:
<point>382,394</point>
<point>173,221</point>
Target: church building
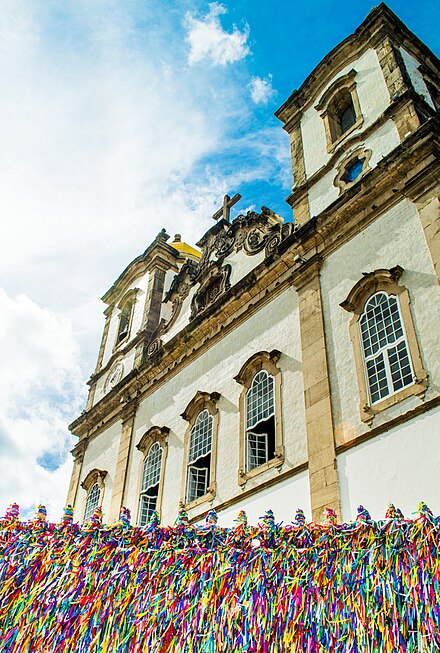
<point>288,364</point>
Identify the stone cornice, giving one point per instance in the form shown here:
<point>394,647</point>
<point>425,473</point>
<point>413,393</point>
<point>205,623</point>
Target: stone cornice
<point>393,179</point>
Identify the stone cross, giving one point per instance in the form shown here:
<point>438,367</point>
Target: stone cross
<point>225,211</point>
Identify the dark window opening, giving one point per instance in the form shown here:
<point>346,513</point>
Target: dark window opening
<point>353,170</point>
<point>261,445</point>
<point>124,322</point>
<point>148,504</point>
<point>342,114</point>
<point>347,117</point>
<point>199,474</point>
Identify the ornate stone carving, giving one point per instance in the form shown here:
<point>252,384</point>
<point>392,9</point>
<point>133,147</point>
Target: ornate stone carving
<point>214,283</point>
<point>252,233</point>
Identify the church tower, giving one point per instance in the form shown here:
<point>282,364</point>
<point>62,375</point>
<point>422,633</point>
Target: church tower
<point>279,365</point>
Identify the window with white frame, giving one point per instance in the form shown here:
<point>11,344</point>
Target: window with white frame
<point>92,501</point>
<point>387,362</point>
<point>260,420</point>
<point>151,472</point>
<point>199,456</point>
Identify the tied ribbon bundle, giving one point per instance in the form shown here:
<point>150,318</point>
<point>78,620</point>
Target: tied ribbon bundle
<point>364,586</point>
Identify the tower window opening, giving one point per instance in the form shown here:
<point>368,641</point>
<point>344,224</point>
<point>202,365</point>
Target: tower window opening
<point>124,322</point>
<point>342,114</point>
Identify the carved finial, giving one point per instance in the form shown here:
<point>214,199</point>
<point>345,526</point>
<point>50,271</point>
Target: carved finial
<point>162,235</point>
<point>177,238</point>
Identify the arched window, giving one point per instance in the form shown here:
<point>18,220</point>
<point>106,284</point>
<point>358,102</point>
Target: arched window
<point>342,114</point>
<point>151,473</point>
<point>340,109</point>
<point>387,358</point>
<point>260,420</point>
<point>261,429</point>
<point>92,501</point>
<point>387,364</point>
<point>124,321</point>
<point>199,457</point>
<point>94,485</point>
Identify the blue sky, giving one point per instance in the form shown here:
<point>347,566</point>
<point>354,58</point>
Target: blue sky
<point>118,118</point>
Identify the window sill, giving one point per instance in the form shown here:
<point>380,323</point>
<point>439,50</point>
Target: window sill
<point>209,496</point>
<point>417,388</point>
<point>331,147</point>
<point>277,461</point>
<point>121,343</point>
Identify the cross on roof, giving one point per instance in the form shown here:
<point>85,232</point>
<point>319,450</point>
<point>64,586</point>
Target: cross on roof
<point>225,211</point>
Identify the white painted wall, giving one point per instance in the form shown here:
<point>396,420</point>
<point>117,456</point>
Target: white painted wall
<point>396,238</point>
<point>412,66</point>
<point>101,453</point>
<point>401,466</point>
<point>373,98</point>
<point>283,498</point>
<point>275,326</point>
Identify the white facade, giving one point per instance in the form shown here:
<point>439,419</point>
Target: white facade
<point>262,296</point>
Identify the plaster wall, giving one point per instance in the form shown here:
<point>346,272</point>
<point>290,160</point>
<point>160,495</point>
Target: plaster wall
<point>395,238</point>
<point>412,66</point>
<point>401,466</point>
<point>128,363</point>
<point>101,453</point>
<point>283,498</point>
<point>373,99</point>
<point>275,326</point>
<point>241,263</point>
<point>380,142</point>
<point>142,284</point>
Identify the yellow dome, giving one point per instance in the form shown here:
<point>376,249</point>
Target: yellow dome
<point>184,247</point>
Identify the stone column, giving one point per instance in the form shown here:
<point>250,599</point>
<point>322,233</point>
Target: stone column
<point>323,476</point>
<point>78,454</point>
<point>122,462</point>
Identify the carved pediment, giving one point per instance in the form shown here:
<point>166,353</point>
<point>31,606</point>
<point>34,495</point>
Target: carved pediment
<point>251,233</point>
<point>214,282</point>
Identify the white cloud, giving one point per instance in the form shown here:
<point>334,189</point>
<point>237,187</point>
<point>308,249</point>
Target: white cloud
<point>41,390</point>
<point>261,89</point>
<point>208,40</point>
<point>105,136</point>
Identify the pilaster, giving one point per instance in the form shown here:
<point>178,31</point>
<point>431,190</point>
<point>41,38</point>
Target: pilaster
<point>323,476</point>
<point>122,462</point>
<point>78,454</point>
<point>428,207</point>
